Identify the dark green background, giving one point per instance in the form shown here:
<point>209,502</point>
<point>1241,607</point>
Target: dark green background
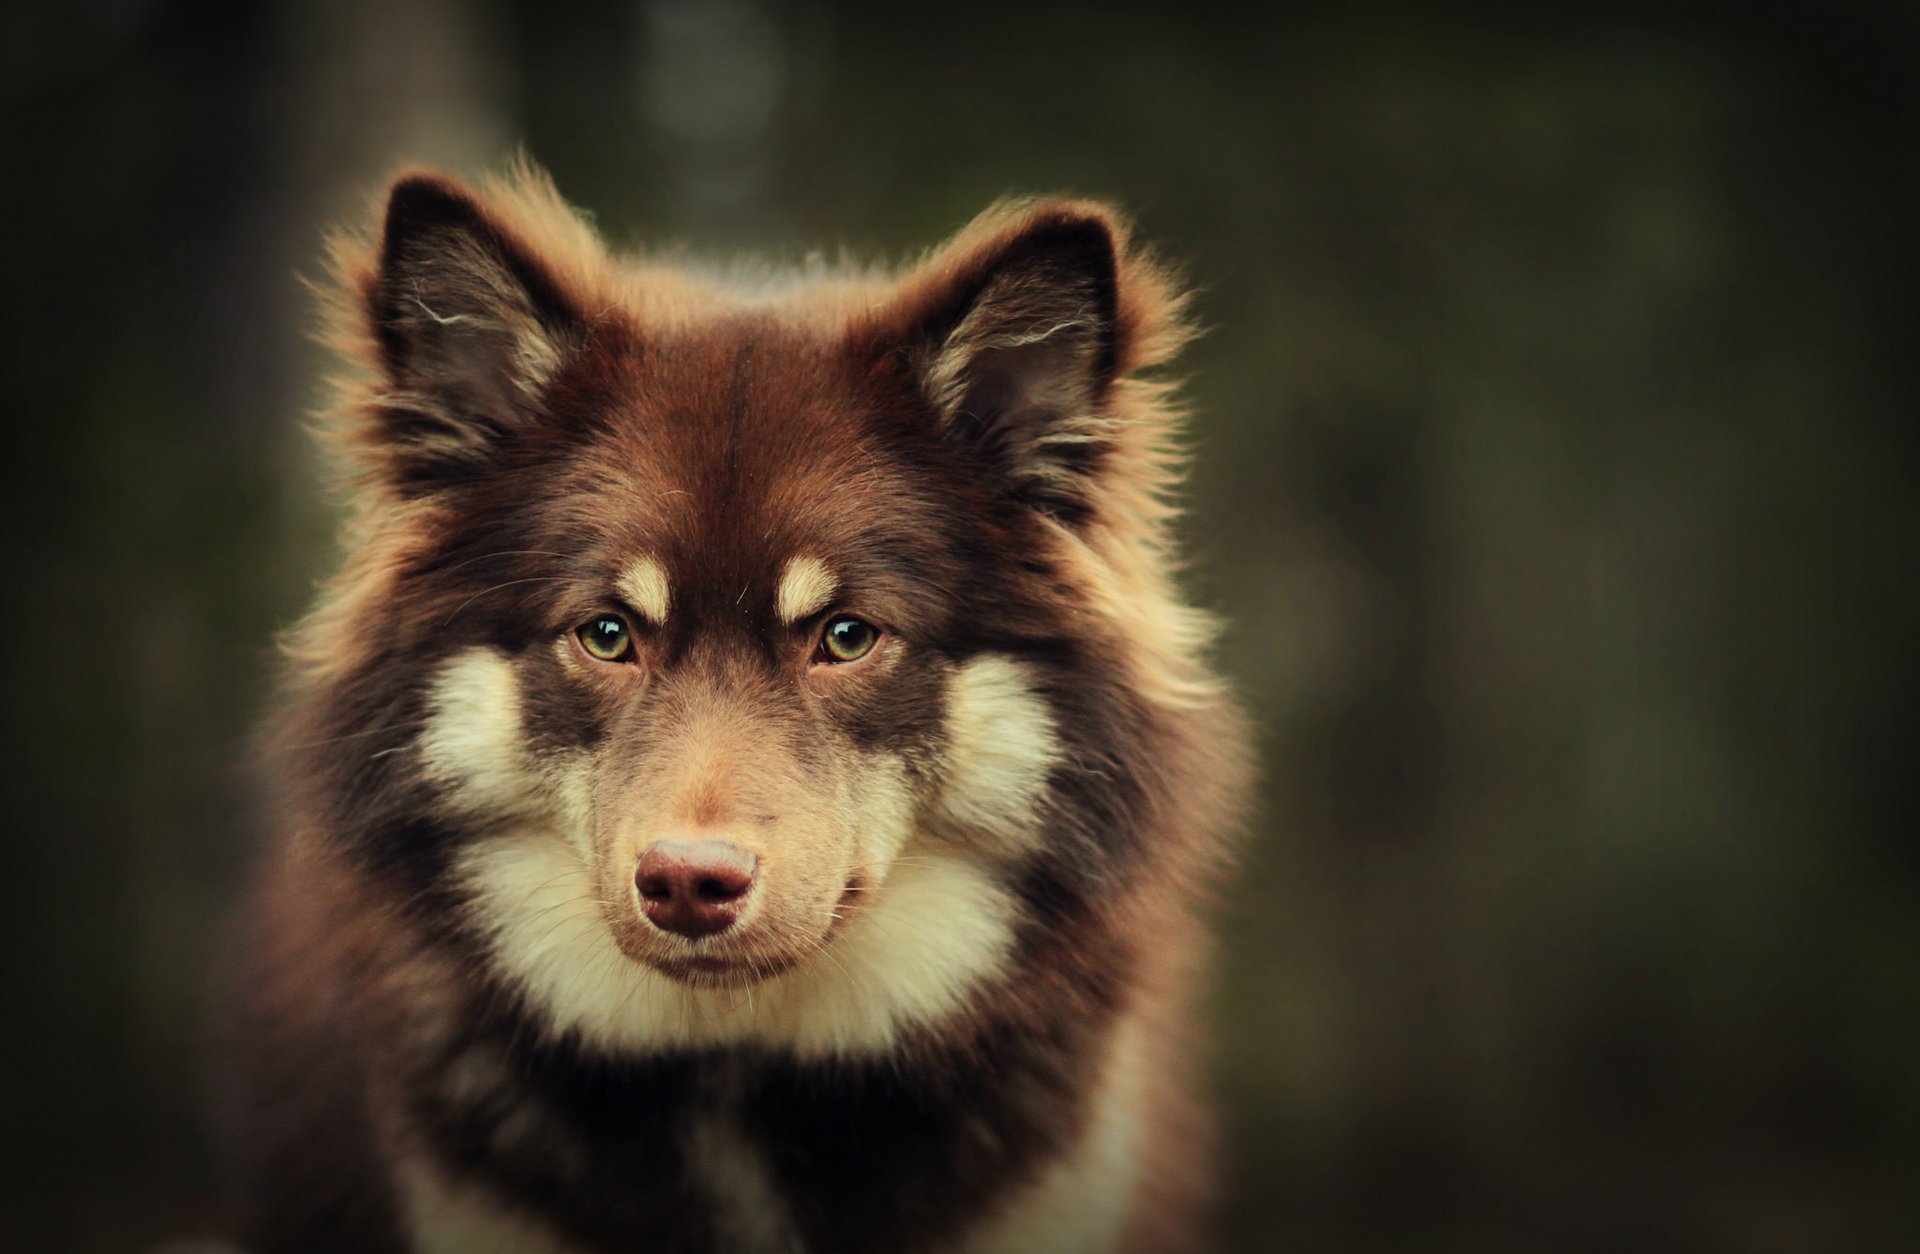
<point>1555,470</point>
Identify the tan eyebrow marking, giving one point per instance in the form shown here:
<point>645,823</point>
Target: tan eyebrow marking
<point>645,588</point>
<point>805,588</point>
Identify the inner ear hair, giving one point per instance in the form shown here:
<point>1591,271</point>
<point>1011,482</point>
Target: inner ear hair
<point>469,325</point>
<point>1020,357</point>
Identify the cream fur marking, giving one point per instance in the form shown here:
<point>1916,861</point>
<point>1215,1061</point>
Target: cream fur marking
<point>1080,1206</point>
<point>806,586</point>
<point>473,745</point>
<point>645,588</point>
<point>938,927</point>
<point>1001,747</point>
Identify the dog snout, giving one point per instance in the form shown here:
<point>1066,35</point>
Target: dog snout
<point>694,887</point>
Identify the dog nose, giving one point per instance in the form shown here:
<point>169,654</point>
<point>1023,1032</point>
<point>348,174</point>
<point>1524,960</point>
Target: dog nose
<point>694,888</point>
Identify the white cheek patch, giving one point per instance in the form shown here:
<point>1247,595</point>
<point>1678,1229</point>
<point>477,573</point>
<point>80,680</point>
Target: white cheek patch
<point>806,586</point>
<point>1001,746</point>
<point>534,896</point>
<point>880,815</point>
<point>644,585</point>
<point>570,786</point>
<point>941,927</point>
<point>473,745</point>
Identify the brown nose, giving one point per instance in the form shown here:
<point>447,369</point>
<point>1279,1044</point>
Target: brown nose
<point>694,887</point>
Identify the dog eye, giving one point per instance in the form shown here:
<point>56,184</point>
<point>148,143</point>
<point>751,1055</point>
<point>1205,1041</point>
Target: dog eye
<point>847,639</point>
<point>606,638</point>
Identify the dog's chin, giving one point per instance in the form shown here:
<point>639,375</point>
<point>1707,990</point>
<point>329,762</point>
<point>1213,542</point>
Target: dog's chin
<point>714,971</point>
<point>720,962</point>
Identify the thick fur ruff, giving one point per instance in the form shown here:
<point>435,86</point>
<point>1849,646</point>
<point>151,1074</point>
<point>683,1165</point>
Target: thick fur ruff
<point>861,578</point>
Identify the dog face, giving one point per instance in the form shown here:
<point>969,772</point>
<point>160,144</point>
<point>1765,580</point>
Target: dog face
<point>741,641</point>
<point>741,665</point>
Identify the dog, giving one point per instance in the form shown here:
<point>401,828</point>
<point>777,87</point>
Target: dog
<point>752,783</point>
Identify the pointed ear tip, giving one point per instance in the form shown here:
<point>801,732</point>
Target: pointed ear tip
<point>1083,222</point>
<point>422,199</point>
<point>1085,235</point>
<point>425,181</point>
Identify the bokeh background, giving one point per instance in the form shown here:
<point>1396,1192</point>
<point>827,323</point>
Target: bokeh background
<point>1555,468</point>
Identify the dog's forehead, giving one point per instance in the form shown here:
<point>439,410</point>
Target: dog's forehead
<point>750,474</point>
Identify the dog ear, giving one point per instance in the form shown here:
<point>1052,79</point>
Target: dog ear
<point>1016,339</point>
<point>469,327</point>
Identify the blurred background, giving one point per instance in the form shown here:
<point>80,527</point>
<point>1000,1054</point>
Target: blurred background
<point>1555,468</point>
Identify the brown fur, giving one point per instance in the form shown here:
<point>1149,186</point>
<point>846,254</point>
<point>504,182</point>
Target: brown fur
<point>971,447</point>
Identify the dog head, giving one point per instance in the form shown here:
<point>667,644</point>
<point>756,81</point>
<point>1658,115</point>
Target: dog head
<point>712,626</point>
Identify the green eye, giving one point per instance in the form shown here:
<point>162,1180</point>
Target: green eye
<point>606,638</point>
<point>847,639</point>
